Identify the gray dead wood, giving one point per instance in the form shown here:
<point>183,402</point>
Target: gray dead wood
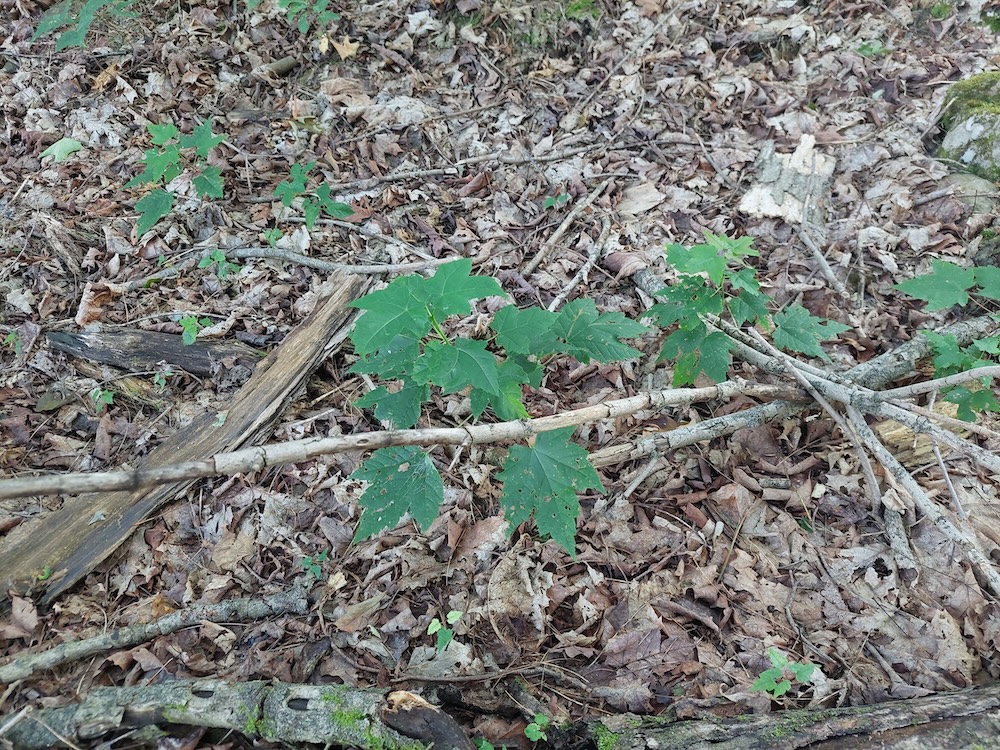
<point>145,350</point>
<point>72,541</point>
<point>947,721</point>
<point>231,610</point>
<point>348,717</point>
<point>272,711</point>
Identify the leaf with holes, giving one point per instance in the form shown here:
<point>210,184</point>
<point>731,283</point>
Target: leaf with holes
<point>402,480</point>
<point>543,480</point>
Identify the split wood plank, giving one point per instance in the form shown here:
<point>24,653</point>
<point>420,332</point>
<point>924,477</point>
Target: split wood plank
<point>67,544</point>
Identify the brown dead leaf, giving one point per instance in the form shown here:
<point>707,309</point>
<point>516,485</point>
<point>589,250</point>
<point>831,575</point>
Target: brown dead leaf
<point>23,621</point>
<point>346,48</point>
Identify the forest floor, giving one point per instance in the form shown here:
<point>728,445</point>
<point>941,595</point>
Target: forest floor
<point>473,129</point>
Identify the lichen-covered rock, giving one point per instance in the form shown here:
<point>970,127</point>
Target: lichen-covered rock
<point>972,121</point>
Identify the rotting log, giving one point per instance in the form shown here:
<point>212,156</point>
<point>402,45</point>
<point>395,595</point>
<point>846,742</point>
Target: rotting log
<point>145,350</point>
<point>352,717</point>
<point>944,721</point>
<point>65,545</point>
<point>272,711</point>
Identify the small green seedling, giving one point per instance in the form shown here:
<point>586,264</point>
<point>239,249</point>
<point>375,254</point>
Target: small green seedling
<point>555,201</point>
<point>314,565</point>
<point>777,680</point>
<point>13,340</point>
<point>312,205</point>
<point>272,235</point>
<point>222,266</point>
<point>101,398</point>
<point>940,11</point>
<point>190,326</point>
<point>535,731</point>
<point>444,633</point>
<point>873,48</point>
<point>160,378</point>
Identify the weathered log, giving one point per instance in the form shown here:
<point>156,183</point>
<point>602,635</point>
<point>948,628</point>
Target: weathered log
<point>145,350</point>
<point>350,717</point>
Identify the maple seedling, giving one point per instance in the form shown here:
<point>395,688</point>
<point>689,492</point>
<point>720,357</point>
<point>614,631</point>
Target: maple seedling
<point>102,398</point>
<point>294,186</point>
<point>314,565</point>
<point>401,339</point>
<point>190,326</point>
<point>223,267</point>
<point>777,680</point>
<point>444,633</point>
<point>535,731</point>
<point>166,162</point>
<point>714,280</point>
<point>945,286</point>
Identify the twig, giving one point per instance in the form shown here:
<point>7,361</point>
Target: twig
<point>367,183</point>
<point>227,611</point>
<point>791,367</point>
<point>923,503</point>
<point>324,265</point>
<point>592,257</point>
<point>937,384</point>
<point>566,224</point>
<point>952,422</point>
<point>260,457</point>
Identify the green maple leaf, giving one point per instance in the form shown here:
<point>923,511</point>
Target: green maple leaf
<point>160,164</point>
<point>589,335</point>
<point>455,366</point>
<point>697,260</point>
<point>970,403</point>
<point>402,408</point>
<point>410,305</point>
<point>202,140</point>
<point>336,209</point>
<point>689,296</point>
<point>715,357</point>
<point>543,480</point>
<point>162,134</point>
<point>288,190</point>
<point>397,310</point>
<point>392,360</point>
<point>209,182</point>
<point>152,208</point>
<point>526,331</point>
<point>512,374</point>
<point>401,480</point>
<point>946,285</point>
<point>795,329</point>
<point>949,357</point>
<point>988,277</point>
<point>451,289</point>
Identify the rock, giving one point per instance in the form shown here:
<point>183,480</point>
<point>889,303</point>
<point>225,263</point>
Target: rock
<point>972,120</point>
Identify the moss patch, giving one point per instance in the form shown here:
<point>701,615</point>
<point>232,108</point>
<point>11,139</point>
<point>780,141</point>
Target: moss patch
<point>975,95</point>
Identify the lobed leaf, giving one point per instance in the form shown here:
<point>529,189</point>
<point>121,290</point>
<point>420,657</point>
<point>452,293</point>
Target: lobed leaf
<point>543,480</point>
<point>946,285</point>
<point>797,330</point>
<point>402,480</point>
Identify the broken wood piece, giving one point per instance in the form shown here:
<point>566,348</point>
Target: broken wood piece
<point>68,543</point>
<point>135,350</point>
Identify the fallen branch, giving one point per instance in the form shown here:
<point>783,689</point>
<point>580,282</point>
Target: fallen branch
<point>275,454</point>
<point>232,610</point>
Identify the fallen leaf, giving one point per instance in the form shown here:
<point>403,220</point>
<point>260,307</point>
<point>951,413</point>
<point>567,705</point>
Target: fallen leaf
<point>346,48</point>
